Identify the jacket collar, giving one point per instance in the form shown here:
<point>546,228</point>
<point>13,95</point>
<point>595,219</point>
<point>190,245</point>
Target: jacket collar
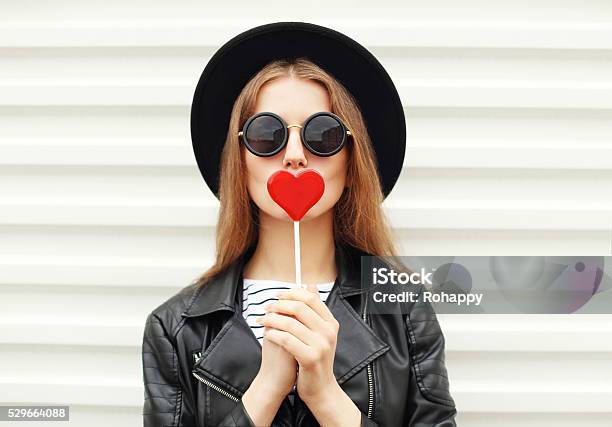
<point>220,292</point>
<point>232,360</point>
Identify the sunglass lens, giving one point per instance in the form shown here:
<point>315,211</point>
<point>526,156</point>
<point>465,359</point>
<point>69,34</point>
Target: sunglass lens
<point>324,134</point>
<point>265,134</point>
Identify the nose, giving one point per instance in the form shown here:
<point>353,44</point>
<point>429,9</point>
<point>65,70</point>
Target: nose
<point>294,151</point>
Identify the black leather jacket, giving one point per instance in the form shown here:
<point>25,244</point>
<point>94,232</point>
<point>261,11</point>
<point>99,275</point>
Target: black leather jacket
<point>199,357</point>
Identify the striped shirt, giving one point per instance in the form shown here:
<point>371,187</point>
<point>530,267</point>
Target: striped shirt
<point>258,294</point>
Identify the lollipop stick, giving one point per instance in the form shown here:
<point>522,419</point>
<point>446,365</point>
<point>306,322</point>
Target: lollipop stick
<point>298,270</point>
<point>296,253</point>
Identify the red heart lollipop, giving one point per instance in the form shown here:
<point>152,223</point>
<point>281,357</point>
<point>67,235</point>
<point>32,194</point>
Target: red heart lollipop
<point>296,194</point>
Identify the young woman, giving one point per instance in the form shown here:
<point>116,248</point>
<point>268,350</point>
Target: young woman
<point>242,346</point>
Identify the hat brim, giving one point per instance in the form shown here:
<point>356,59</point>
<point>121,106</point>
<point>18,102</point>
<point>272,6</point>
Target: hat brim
<point>233,65</point>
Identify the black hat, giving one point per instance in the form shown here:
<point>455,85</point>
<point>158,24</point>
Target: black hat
<point>233,65</point>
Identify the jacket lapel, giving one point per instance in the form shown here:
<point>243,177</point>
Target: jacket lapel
<point>357,344</point>
<point>232,360</point>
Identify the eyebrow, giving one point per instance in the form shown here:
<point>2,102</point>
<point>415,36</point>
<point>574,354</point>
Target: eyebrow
<point>286,121</point>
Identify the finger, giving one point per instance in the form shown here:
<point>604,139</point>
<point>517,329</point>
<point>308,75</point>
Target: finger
<point>310,298</point>
<point>290,325</point>
<point>300,311</point>
<point>297,348</point>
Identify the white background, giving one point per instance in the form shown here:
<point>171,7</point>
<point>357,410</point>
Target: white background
<point>103,213</point>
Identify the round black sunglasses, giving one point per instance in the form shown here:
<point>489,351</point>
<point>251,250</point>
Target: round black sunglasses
<point>266,133</point>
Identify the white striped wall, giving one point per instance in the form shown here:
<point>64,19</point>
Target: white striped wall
<point>103,213</point>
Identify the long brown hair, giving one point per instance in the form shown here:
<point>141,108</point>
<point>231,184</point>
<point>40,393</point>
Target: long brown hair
<point>359,220</point>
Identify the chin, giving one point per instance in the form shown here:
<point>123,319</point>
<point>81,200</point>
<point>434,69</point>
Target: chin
<point>275,212</point>
<point>317,212</point>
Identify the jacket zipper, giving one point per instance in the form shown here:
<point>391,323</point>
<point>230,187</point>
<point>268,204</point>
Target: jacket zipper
<point>369,369</point>
<point>216,387</point>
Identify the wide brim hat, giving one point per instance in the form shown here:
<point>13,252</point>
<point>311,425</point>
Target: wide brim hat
<point>234,63</point>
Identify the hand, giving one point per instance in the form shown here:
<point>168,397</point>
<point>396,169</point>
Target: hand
<point>302,324</point>
<point>278,367</point>
<point>275,379</point>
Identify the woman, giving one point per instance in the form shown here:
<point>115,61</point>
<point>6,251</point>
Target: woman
<point>211,354</point>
